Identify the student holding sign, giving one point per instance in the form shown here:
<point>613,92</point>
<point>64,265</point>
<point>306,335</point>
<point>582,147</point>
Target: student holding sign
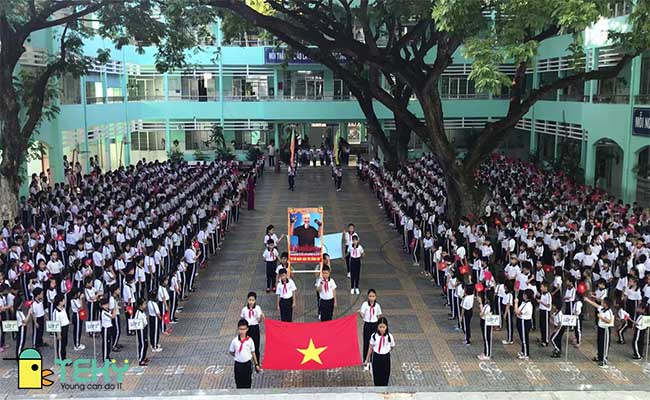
<point>486,330</point>
<point>605,323</point>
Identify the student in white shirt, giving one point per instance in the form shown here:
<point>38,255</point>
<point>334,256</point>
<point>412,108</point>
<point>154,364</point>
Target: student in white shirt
<point>638,342</point>
<point>558,332</point>
<point>106,317</point>
<point>60,315</point>
<point>38,319</point>
<point>253,314</point>
<point>545,302</point>
<point>466,312</point>
<point>242,348</point>
<point>347,237</point>
<point>22,321</point>
<point>429,259</point>
<point>605,323</point>
<point>524,312</point>
<point>155,319</point>
<point>577,311</point>
<point>370,312</point>
<point>326,288</point>
<point>162,297</point>
<point>380,345</point>
<point>142,343</point>
<point>356,253</point>
<point>270,256</point>
<point>76,305</point>
<point>486,331</point>
<point>286,299</point>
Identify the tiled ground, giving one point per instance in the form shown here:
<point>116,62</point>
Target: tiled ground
<point>429,355</point>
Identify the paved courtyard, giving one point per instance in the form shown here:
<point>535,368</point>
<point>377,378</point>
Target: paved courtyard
<point>429,355</point>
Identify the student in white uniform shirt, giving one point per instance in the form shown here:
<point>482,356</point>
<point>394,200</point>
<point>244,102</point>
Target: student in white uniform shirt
<point>162,297</point>
<point>270,256</point>
<point>253,314</point>
<point>22,321</point>
<point>142,343</point>
<point>242,348</point>
<point>60,315</point>
<point>466,312</point>
<point>428,255</point>
<point>370,312</point>
<point>524,312</point>
<point>577,312</point>
<point>545,301</point>
<point>155,318</point>
<point>638,342</point>
<point>486,331</point>
<point>106,317</point>
<point>76,305</point>
<point>380,345</point>
<point>191,258</point>
<point>326,288</point>
<point>347,237</point>
<point>38,319</point>
<point>605,323</point>
<point>356,253</point>
<point>286,299</point>
<point>558,332</point>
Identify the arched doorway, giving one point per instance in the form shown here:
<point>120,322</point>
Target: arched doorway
<point>642,171</point>
<point>609,166</point>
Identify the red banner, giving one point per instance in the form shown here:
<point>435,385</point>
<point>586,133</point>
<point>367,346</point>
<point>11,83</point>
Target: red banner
<point>312,345</point>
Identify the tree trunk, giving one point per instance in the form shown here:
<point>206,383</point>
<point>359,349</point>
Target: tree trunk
<point>464,198</point>
<point>8,199</point>
<point>402,136</point>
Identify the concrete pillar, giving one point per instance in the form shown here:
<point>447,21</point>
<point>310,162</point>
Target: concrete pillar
<point>630,158</point>
<point>590,163</point>
<point>84,148</point>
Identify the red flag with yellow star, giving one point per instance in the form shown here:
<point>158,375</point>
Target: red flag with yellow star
<point>312,345</point>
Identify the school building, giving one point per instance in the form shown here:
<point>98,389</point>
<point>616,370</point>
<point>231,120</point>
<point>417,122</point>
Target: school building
<point>126,110</point>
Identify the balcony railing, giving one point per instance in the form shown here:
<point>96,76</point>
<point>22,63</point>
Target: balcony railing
<point>115,99</point>
<point>574,97</point>
<point>470,96</point>
<point>94,100</point>
<point>642,99</point>
<point>146,98</point>
<point>611,98</point>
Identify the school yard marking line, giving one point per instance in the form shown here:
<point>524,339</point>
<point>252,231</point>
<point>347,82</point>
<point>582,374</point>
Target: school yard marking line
<point>492,371</point>
<point>532,371</point>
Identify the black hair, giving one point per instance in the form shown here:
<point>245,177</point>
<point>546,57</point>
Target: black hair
<point>383,320</point>
<point>268,228</point>
<point>326,268</point>
<point>58,298</point>
<point>242,322</point>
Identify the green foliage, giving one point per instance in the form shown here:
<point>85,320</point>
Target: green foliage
<point>175,155</point>
<point>254,153</point>
<point>199,155</point>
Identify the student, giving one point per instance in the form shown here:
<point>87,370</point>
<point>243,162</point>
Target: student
<point>577,312</point>
<point>429,263</point>
<point>605,323</point>
<point>569,295</point>
<point>128,295</point>
<point>624,324</point>
<point>370,312</point>
<point>347,237</point>
<point>291,174</point>
<point>142,343</point>
<point>381,343</point>
<point>286,299</point>
<point>76,305</point>
<point>638,342</point>
<point>486,331</point>
<point>174,293</point>
<point>92,299</point>
<point>106,317</point>
<point>558,332</point>
<point>270,255</point>
<point>544,300</point>
<point>242,348</point>
<point>162,297</point>
<point>114,307</point>
<point>507,312</point>
<point>356,253</point>
<point>524,312</point>
<point>253,314</point>
<point>22,320</point>
<point>154,322</point>
<point>60,315</point>
<point>38,318</point>
<point>417,238</point>
<point>466,312</point>
<point>6,305</point>
<point>326,288</point>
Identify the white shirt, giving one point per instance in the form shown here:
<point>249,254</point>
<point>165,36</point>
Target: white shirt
<point>526,310</point>
<point>243,349</point>
<point>251,315</point>
<point>468,302</point>
<point>285,290</point>
<point>139,314</point>
<point>382,344</point>
<point>545,298</point>
<point>190,256</point>
<point>61,316</point>
<point>608,314</point>
<point>37,309</point>
<point>152,308</point>
<point>356,252</point>
<point>270,256</point>
<point>55,267</point>
<point>370,314</point>
<point>326,293</point>
<point>106,319</point>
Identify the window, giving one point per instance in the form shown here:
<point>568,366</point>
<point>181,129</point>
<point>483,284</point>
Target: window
<point>614,90</point>
<point>458,87</point>
<point>148,141</point>
<point>145,88</point>
<point>341,90</point>
<point>70,89</point>
<point>245,138</point>
<point>619,8</point>
<point>644,87</point>
<point>547,78</point>
<point>251,87</point>
<point>195,140</point>
<point>303,84</point>
<point>94,88</point>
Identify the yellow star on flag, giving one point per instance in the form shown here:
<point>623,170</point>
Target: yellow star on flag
<point>311,353</point>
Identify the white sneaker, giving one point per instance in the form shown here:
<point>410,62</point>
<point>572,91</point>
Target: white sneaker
<point>357,290</point>
<point>348,274</point>
<point>157,349</point>
<point>81,347</point>
<point>351,291</point>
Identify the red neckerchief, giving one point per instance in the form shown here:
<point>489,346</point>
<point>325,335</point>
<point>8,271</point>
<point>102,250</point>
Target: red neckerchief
<point>372,310</point>
<point>381,343</point>
<point>241,343</point>
<point>326,285</point>
<point>284,287</point>
<point>251,312</point>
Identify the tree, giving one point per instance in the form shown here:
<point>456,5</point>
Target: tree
<point>488,31</point>
<point>30,98</point>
